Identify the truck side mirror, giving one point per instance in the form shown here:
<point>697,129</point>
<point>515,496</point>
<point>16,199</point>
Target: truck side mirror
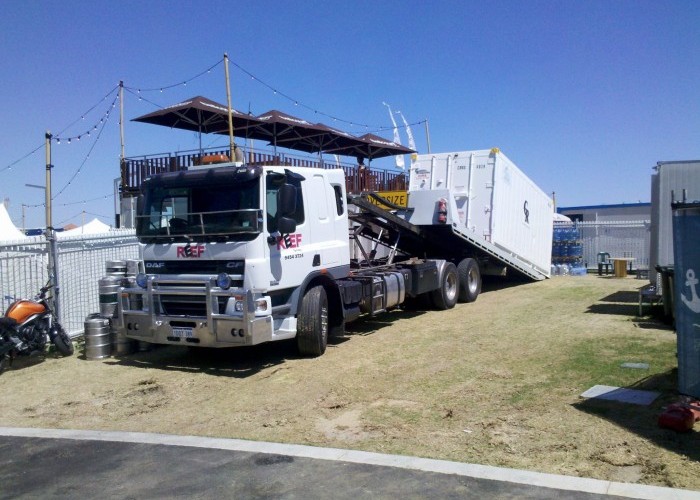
<point>286,200</point>
<point>139,204</point>
<point>286,225</point>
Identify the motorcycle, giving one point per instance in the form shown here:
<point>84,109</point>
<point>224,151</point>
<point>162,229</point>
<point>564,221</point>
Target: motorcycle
<point>27,325</point>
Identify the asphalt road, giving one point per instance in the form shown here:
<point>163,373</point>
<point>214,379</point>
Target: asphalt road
<point>52,463</point>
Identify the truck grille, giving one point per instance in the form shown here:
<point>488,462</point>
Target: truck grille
<point>192,303</point>
<point>178,305</point>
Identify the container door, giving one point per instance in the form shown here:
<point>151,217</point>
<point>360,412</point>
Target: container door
<point>460,185</point>
<point>479,211</point>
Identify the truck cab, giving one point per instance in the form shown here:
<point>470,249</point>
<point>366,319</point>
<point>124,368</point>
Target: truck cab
<point>230,251</point>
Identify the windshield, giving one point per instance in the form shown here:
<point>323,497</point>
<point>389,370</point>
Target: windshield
<point>228,211</point>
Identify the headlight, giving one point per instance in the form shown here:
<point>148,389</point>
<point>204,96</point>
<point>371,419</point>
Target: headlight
<point>238,306</point>
<point>223,281</point>
<point>142,280</point>
<point>261,306</point>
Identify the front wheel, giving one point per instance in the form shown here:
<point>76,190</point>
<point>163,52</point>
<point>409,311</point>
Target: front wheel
<point>62,341</point>
<point>5,361</point>
<point>312,323</point>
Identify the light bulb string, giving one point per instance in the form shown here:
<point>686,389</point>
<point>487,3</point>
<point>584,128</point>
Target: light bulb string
<point>182,83</point>
<point>103,118</point>
<point>97,138</point>
<point>103,197</point>
<point>64,221</point>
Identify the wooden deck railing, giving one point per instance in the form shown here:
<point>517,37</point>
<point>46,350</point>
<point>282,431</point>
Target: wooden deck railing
<point>135,170</point>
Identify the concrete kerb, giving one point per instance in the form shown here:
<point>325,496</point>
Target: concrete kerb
<point>539,479</point>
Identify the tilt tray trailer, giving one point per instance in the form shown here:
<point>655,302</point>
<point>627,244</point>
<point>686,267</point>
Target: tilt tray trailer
<point>241,255</point>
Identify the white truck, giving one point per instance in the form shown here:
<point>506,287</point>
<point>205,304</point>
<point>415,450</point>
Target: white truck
<point>239,255</point>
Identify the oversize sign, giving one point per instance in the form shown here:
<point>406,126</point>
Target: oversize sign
<point>399,198</point>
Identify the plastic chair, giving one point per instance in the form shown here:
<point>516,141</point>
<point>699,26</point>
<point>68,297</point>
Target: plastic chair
<point>604,261</point>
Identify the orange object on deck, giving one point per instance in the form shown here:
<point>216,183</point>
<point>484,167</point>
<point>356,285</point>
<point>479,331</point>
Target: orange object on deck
<point>210,159</point>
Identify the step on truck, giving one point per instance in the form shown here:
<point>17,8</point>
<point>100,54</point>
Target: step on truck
<point>239,255</point>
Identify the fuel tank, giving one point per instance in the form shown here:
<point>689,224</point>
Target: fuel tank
<point>22,310</point>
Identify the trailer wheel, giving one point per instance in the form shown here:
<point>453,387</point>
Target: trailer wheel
<point>312,323</point>
<point>445,297</point>
<point>469,280</point>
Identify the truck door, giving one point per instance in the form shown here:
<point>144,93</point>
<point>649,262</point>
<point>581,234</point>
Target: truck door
<point>289,259</point>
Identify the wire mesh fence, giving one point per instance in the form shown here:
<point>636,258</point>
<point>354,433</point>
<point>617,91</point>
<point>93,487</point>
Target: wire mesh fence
<point>625,239</point>
<point>80,264</point>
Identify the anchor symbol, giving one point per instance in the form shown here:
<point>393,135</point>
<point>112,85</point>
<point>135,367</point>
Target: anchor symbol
<point>691,281</point>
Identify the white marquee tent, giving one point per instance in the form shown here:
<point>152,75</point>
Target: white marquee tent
<point>8,231</point>
<point>95,226</point>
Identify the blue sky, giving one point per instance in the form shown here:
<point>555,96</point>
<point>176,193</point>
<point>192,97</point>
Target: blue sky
<point>585,97</point>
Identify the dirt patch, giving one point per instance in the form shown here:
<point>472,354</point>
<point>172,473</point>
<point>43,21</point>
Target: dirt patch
<point>494,382</point>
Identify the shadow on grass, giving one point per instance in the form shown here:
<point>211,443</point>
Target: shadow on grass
<point>235,362</point>
<point>642,420</point>
<point>614,308</point>
<point>242,362</point>
<point>622,296</point>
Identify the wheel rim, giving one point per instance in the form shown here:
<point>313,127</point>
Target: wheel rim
<point>472,280</point>
<point>452,283</point>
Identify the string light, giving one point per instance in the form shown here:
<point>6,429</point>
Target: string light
<point>103,197</point>
<point>41,146</point>
<point>77,137</point>
<point>97,138</point>
<point>79,214</point>
<point>185,82</point>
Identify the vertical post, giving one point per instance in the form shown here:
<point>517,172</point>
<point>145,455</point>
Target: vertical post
<point>122,163</point>
<point>121,119</point>
<point>427,134</point>
<point>232,152</point>
<point>47,203</point>
<point>50,234</point>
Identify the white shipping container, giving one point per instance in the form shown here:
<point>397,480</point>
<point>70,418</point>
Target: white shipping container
<point>670,176</point>
<point>489,198</point>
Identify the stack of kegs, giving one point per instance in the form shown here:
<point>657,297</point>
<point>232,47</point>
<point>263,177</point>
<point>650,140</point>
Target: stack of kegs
<point>103,336</point>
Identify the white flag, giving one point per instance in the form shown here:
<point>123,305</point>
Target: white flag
<point>397,139</point>
<point>411,142</point>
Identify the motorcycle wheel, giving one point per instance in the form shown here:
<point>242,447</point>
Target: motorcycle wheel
<point>62,341</point>
<point>5,361</point>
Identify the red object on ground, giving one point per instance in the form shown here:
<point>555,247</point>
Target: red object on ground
<point>677,417</point>
<point>694,406</point>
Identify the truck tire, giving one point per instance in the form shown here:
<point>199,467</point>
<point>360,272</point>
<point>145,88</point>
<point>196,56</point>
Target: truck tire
<point>445,297</point>
<point>469,280</point>
<point>312,323</point>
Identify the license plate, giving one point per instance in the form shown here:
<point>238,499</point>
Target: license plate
<point>182,332</point>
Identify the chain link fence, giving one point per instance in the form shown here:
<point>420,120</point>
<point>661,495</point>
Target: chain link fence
<point>80,264</point>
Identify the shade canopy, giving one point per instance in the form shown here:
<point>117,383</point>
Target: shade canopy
<point>372,146</point>
<point>201,115</point>
<point>279,129</point>
<point>288,131</point>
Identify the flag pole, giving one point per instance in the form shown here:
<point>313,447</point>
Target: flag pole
<point>232,153</point>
